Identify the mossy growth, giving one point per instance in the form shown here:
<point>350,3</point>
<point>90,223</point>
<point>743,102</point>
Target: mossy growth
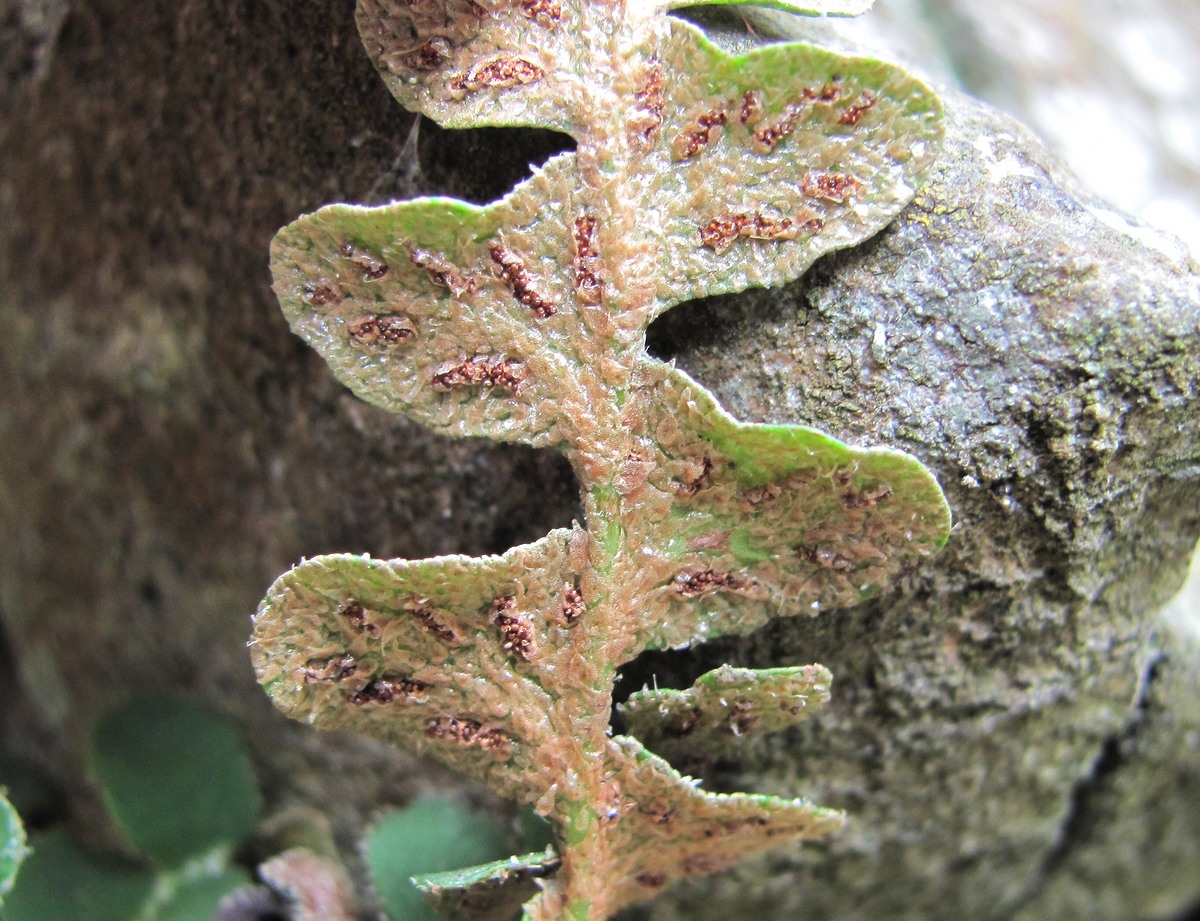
<point>696,172</point>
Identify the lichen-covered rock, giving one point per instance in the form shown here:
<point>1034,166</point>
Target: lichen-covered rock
<point>995,728</point>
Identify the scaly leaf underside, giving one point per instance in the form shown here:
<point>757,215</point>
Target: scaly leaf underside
<point>696,172</point>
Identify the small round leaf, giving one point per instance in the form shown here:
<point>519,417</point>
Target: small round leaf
<point>12,845</point>
<point>430,836</point>
<point>59,880</point>
<point>177,779</point>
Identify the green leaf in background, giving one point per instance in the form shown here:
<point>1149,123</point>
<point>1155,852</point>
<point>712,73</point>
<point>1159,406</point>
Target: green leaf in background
<point>12,845</point>
<point>59,881</point>
<point>196,899</point>
<point>492,892</point>
<point>177,779</point>
<point>430,836</point>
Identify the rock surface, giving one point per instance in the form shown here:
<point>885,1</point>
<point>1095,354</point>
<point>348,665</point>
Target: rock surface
<point>1037,351</point>
<point>1015,734</point>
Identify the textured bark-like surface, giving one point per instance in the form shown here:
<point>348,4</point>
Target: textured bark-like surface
<point>1015,734</point>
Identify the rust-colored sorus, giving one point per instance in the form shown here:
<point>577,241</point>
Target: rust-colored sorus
<point>720,232</point>
<point>868,497</point>
<point>852,115</point>
<point>486,371</point>
<point>823,556</point>
<point>429,55</point>
<point>466,731</point>
<point>429,620</point>
<point>741,718</point>
<point>502,73</point>
<point>516,276</point>
<point>542,10</point>
<point>515,626</point>
<point>766,138</point>
<point>648,108</point>
<point>589,288</point>
<point>697,475</point>
<point>573,605</point>
<point>319,671</point>
<point>322,294</point>
<point>386,690</point>
<point>386,330</point>
<point>697,135</point>
<point>440,270</point>
<point>835,187</point>
<point>372,266</point>
<point>356,616</point>
<point>708,581</point>
<point>750,110</point>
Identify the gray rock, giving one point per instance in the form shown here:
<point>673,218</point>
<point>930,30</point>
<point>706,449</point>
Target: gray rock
<point>1015,735</point>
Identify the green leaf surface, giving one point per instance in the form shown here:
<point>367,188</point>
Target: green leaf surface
<point>492,892</point>
<point>177,779</point>
<point>411,652</point>
<point>669,829</point>
<point>453,314</point>
<point>725,705</point>
<point>750,522</point>
<point>429,836</point>
<point>767,160</point>
<point>467,64</point>
<point>12,845</point>
<point>61,881</point>
<point>196,898</point>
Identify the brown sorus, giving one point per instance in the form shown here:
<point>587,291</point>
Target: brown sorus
<point>697,135</point>
<point>720,232</point>
<point>867,497</point>
<point>320,671</point>
<point>322,293</point>
<point>836,187</point>
<point>440,270</point>
<point>543,10</point>
<point>829,559</point>
<point>386,690</point>
<point>750,110</point>
<point>852,115</point>
<point>372,266</point>
<point>648,112</point>
<point>485,371</point>
<point>465,731</point>
<point>588,286</point>
<point>516,628</point>
<point>502,73</point>
<point>356,616</point>
<point>516,276</point>
<point>766,138</point>
<point>429,55</point>
<point>573,605</point>
<point>431,623</point>
<point>706,582</point>
<point>384,330</point>
<point>697,475</point>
